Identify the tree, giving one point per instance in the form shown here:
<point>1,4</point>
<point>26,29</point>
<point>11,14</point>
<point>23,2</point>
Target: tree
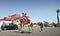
<point>53,23</point>
<point>58,15</point>
<point>46,23</point>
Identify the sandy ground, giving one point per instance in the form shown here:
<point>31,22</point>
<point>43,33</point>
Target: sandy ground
<point>49,31</point>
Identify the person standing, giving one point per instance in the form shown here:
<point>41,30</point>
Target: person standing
<point>4,24</point>
<point>41,26</point>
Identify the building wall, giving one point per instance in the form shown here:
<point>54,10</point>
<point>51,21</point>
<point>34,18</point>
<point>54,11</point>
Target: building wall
<point>16,22</point>
<point>1,22</point>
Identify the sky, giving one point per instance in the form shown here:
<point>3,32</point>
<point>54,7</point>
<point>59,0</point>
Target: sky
<point>37,10</point>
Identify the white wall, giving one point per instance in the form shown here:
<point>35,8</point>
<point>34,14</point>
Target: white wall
<point>5,22</point>
<point>15,22</point>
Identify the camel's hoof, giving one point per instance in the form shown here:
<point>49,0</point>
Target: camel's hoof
<point>29,32</point>
<point>22,31</point>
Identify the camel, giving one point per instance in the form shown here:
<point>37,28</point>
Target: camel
<point>25,22</point>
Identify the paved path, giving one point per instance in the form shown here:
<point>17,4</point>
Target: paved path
<point>47,32</point>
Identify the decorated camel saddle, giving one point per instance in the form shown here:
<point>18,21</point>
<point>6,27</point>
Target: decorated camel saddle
<point>24,19</point>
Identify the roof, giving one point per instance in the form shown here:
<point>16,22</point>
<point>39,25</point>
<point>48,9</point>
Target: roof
<point>9,17</point>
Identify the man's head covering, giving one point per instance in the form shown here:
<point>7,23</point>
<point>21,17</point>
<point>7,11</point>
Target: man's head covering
<point>23,14</point>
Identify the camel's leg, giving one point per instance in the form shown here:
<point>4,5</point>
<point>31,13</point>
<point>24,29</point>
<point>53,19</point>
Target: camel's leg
<point>0,29</point>
<point>32,29</point>
<point>31,25</point>
<point>29,28</point>
<point>20,28</point>
<point>23,27</point>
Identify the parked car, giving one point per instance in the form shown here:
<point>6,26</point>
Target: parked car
<point>9,26</point>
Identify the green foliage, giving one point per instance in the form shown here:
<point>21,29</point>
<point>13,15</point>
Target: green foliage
<point>58,10</point>
<point>53,23</point>
<point>46,23</point>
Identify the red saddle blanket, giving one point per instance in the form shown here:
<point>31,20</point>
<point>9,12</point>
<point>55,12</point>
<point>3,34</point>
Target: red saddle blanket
<point>24,19</point>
